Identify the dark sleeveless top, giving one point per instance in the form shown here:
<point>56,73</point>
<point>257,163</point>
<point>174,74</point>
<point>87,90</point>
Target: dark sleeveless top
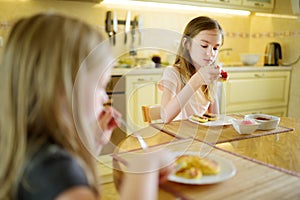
<point>51,171</point>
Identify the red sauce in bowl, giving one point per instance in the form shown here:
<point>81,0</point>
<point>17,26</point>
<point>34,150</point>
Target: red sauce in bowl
<point>262,118</point>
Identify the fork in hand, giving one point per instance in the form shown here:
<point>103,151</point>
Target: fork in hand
<point>138,136</point>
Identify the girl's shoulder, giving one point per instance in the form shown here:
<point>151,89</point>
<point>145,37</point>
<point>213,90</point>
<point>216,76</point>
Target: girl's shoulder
<point>50,171</point>
<point>50,153</point>
<point>171,70</point>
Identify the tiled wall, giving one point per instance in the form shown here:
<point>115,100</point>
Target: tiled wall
<point>243,34</point>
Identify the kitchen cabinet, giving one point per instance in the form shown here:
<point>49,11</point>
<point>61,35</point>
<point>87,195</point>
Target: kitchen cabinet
<point>259,4</point>
<point>256,92</point>
<point>251,5</point>
<point>140,90</point>
<point>228,2</point>
<point>189,2</point>
<point>283,7</point>
<point>88,1</point>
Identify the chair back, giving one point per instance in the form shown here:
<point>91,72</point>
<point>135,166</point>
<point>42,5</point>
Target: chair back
<point>151,113</point>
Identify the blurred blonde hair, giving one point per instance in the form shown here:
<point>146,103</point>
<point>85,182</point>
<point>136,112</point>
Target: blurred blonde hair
<point>40,64</point>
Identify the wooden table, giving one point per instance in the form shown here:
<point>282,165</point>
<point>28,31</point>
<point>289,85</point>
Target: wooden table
<point>279,148</point>
<point>267,162</point>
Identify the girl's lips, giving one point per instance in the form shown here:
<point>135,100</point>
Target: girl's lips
<point>208,61</point>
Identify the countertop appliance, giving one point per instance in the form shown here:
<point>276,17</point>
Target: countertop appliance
<point>273,54</point>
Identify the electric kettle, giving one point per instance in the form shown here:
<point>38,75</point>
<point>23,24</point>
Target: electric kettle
<point>273,54</point>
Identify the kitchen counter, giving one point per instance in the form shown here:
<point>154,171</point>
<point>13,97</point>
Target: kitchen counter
<point>256,68</point>
<point>137,71</point>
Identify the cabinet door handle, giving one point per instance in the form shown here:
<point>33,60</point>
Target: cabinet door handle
<point>143,79</point>
<point>259,4</point>
<point>259,75</point>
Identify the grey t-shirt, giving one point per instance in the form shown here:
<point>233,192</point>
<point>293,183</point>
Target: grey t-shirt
<point>50,171</point>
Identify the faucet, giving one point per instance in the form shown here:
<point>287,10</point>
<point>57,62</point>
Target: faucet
<point>226,49</point>
<point>225,58</point>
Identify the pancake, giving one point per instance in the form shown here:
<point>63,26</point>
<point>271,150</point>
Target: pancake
<point>193,167</point>
<point>209,166</point>
<point>210,116</point>
<point>198,118</point>
<point>189,173</point>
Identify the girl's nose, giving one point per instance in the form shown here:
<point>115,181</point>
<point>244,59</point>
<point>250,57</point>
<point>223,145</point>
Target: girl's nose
<point>209,51</point>
<point>102,96</point>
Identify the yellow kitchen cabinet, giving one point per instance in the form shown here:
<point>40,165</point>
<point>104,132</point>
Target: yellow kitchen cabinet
<point>227,2</point>
<point>256,92</point>
<point>283,7</point>
<point>259,4</point>
<point>250,5</point>
<point>140,90</point>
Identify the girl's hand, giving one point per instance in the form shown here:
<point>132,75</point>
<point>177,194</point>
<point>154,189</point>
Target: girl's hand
<point>205,76</point>
<point>107,123</point>
<point>209,73</point>
<point>144,172</point>
<point>164,173</point>
<point>108,118</point>
<point>158,161</point>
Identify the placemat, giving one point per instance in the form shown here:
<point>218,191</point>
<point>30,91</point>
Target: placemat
<point>211,135</point>
<point>290,172</point>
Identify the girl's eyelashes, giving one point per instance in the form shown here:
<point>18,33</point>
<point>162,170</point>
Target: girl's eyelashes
<point>206,46</point>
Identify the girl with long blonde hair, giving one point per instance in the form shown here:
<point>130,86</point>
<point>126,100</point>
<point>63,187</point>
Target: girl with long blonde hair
<point>53,78</point>
<point>188,84</point>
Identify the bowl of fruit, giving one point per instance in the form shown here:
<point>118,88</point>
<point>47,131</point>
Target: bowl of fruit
<point>245,126</point>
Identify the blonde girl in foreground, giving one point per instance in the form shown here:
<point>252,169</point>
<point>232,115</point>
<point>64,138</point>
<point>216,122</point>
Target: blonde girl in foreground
<point>52,121</point>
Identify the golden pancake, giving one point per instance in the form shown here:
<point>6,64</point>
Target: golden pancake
<point>198,118</point>
<point>210,116</point>
<point>193,167</point>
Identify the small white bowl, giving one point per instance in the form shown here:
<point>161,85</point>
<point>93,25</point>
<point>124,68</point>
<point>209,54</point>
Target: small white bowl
<point>245,128</point>
<point>249,59</point>
<point>267,122</point>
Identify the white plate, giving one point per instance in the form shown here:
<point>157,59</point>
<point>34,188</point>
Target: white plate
<point>227,170</point>
<point>221,121</point>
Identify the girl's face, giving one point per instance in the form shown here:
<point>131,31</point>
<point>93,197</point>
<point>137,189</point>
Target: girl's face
<point>100,96</point>
<point>204,47</point>
<point>102,137</point>
<point>92,95</point>
<point>93,92</point>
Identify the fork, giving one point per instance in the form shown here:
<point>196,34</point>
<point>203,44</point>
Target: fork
<point>138,136</point>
